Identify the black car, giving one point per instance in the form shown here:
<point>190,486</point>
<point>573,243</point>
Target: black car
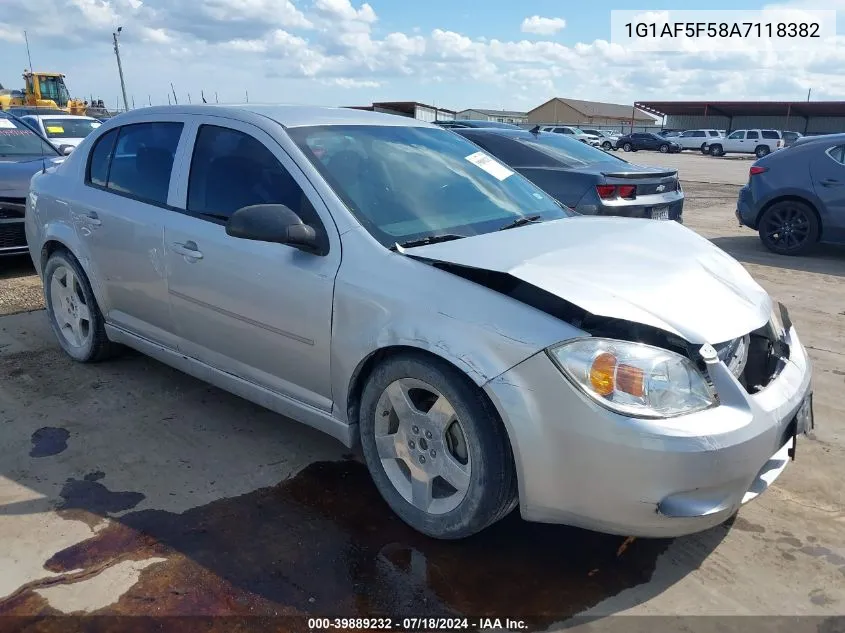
<point>647,140</point>
<point>794,197</point>
<point>587,179</point>
<point>473,123</point>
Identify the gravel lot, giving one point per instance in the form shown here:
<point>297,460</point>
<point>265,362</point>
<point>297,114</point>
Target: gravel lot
<point>130,488</point>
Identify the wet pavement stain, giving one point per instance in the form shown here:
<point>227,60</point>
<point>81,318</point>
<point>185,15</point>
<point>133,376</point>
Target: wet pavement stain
<point>48,441</point>
<point>324,543</point>
<point>747,526</point>
<point>89,501</point>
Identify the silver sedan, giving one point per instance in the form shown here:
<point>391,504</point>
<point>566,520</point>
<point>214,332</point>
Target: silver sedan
<point>387,282</point>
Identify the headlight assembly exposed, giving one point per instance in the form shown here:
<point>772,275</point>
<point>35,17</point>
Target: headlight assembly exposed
<point>634,379</point>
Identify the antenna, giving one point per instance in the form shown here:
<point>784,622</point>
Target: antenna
<point>29,57</point>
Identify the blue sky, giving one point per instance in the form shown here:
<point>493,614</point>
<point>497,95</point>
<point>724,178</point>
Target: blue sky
<point>346,52</point>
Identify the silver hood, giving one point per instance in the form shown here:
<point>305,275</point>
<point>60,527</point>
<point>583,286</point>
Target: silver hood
<point>652,272</point>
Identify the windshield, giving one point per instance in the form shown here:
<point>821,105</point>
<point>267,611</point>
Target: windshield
<point>567,151</point>
<point>69,128</point>
<point>18,140</point>
<point>54,89</point>
<point>408,183</point>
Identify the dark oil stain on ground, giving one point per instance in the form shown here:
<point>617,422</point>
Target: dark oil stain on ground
<point>48,441</point>
<point>324,543</point>
<point>89,501</point>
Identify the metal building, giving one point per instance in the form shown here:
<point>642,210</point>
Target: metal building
<point>806,117</point>
<point>412,109</point>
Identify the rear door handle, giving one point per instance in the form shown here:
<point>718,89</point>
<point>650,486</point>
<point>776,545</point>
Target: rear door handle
<point>187,249</point>
<point>93,218</point>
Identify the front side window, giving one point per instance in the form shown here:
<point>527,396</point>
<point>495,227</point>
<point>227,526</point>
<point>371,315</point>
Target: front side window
<point>737,135</point>
<point>141,161</point>
<point>406,183</point>
<point>76,127</point>
<point>231,170</point>
<point>18,139</point>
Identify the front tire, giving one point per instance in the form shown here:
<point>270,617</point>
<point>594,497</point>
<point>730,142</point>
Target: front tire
<point>435,447</point>
<point>627,147</point>
<point>607,146</point>
<point>703,148</point>
<point>716,150</point>
<point>73,311</point>
<point>664,149</point>
<point>789,227</point>
<point>762,150</point>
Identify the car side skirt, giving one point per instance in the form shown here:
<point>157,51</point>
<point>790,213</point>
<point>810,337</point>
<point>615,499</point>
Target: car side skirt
<point>279,403</point>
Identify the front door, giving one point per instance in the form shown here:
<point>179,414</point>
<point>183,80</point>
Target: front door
<point>735,142</point>
<point>119,216</point>
<point>259,310</point>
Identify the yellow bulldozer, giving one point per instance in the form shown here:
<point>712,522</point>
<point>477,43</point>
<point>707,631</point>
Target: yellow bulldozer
<point>42,90</point>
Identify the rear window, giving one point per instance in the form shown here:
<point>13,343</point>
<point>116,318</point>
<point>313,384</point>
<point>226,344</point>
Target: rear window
<point>568,152</point>
<point>16,139</point>
<point>770,134</point>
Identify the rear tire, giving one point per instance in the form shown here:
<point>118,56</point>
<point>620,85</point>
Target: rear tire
<point>789,227</point>
<point>627,147</point>
<point>663,149</point>
<point>607,146</point>
<point>73,312</point>
<point>703,148</point>
<point>716,150</point>
<point>762,150</point>
<point>429,434</point>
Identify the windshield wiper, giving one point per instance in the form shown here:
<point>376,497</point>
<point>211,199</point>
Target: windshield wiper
<point>526,219</point>
<point>431,239</point>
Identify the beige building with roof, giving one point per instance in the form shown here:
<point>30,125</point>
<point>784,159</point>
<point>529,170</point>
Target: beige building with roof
<point>593,113</point>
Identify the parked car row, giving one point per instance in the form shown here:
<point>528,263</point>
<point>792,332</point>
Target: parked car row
<point>480,340</point>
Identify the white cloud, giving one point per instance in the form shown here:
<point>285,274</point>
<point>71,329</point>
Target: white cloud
<point>542,26</point>
<point>317,50</point>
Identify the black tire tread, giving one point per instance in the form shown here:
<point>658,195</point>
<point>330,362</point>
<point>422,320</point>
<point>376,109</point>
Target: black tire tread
<point>815,228</point>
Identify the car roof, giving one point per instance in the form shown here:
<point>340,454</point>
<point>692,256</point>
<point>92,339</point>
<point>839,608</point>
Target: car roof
<point>502,131</point>
<point>821,139</point>
<point>288,116</point>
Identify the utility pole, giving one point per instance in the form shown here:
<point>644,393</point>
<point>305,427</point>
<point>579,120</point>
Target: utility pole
<point>120,67</point>
<point>809,90</point>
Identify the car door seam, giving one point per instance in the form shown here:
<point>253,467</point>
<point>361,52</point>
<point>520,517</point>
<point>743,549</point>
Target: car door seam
<point>240,317</point>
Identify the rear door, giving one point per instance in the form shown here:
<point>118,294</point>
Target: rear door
<point>259,310</point>
<point>119,216</point>
<point>827,170</point>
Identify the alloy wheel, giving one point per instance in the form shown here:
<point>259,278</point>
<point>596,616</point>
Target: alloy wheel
<point>422,446</point>
<point>72,314</point>
<point>787,228</point>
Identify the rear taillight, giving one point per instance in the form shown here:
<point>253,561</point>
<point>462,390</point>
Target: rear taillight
<point>606,191</point>
<point>627,191</point>
<point>756,169</point>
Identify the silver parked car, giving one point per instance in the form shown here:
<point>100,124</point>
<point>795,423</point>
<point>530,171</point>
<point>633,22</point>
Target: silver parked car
<point>388,282</point>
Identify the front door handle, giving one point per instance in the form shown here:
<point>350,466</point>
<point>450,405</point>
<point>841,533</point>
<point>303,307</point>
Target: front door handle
<point>93,218</point>
<point>831,182</point>
<point>188,250</point>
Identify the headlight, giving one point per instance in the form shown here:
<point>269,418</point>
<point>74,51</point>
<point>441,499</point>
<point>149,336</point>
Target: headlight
<point>632,378</point>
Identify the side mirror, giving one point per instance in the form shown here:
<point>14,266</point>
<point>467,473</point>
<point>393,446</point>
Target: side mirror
<point>65,149</point>
<point>272,223</point>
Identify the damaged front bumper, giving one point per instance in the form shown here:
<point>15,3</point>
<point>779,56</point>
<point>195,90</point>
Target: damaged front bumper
<point>582,465</point>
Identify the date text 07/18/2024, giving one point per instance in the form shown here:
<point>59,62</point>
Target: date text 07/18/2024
<point>416,624</point>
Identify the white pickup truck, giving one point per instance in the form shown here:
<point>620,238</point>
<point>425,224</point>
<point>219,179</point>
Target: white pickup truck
<point>697,139</point>
<point>757,142</point>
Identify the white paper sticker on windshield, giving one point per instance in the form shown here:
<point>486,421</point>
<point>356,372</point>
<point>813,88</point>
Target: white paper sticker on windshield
<point>482,160</point>
<point>7,123</point>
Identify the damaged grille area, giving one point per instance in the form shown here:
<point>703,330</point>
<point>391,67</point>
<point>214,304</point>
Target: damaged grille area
<point>767,354</point>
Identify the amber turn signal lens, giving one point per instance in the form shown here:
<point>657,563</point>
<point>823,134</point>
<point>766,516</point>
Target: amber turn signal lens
<point>631,380</point>
<point>602,374</point>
